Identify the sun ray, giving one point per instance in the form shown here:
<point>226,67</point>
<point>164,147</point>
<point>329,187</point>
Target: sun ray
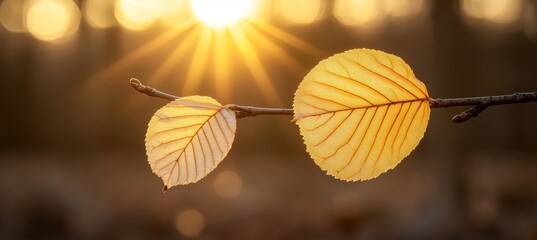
<point>287,37</point>
<point>163,73</point>
<point>140,52</point>
<point>221,66</point>
<point>205,45</point>
<point>273,50</point>
<point>175,57</point>
<point>198,63</point>
<point>255,66</point>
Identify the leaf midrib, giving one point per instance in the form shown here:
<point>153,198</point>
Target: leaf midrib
<point>365,107</point>
<point>190,142</point>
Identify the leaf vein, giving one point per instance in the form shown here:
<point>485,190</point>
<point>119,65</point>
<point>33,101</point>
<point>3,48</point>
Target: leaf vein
<point>189,142</point>
<point>374,141</point>
<point>333,131</point>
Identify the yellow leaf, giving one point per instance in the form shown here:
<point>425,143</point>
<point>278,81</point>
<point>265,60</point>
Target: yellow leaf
<point>360,113</point>
<point>187,138</point>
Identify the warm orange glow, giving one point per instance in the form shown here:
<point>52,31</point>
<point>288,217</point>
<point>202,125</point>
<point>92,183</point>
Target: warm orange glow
<point>219,13</point>
<point>288,38</point>
<point>221,65</point>
<point>209,49</point>
<point>273,50</point>
<point>99,13</point>
<point>198,64</point>
<point>255,66</point>
<point>357,12</point>
<point>11,15</point>
<point>190,222</point>
<point>497,11</point>
<point>228,184</point>
<point>176,12</point>
<point>138,14</point>
<point>301,12</point>
<point>165,69</point>
<point>137,54</point>
<point>52,19</point>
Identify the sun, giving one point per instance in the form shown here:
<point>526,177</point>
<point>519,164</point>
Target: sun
<point>216,36</point>
<point>221,13</point>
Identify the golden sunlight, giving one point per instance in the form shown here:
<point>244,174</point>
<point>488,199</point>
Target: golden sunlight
<point>99,13</point>
<point>309,13</point>
<point>496,11</point>
<point>213,41</point>
<point>218,13</point>
<point>357,13</point>
<point>137,15</point>
<point>11,15</point>
<point>176,12</point>
<point>52,19</point>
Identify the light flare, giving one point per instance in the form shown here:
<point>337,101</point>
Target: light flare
<point>209,50</point>
<point>357,13</point>
<point>228,184</point>
<point>199,63</point>
<point>219,13</point>
<point>496,11</point>
<point>255,66</point>
<point>138,15</point>
<point>99,13</point>
<point>175,57</point>
<point>309,13</point>
<point>51,20</point>
<point>190,222</point>
<point>11,15</point>
<point>176,11</point>
<point>221,70</point>
<point>272,50</point>
<point>138,54</point>
<point>288,38</point>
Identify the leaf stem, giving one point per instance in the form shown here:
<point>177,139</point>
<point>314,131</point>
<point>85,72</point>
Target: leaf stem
<point>479,103</point>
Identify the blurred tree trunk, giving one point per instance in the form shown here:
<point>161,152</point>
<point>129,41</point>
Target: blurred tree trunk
<point>453,75</point>
<point>19,128</point>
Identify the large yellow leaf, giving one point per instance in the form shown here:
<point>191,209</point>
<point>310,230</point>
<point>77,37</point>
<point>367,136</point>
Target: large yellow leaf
<point>360,113</point>
<point>187,138</point>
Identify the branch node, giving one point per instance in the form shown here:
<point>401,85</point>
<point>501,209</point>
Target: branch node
<point>240,112</point>
<point>466,115</point>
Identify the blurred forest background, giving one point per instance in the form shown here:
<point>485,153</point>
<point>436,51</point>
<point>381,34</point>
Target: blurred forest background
<point>72,157</point>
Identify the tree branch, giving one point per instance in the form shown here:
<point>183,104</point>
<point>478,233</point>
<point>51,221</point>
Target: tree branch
<point>479,103</point>
<point>149,91</point>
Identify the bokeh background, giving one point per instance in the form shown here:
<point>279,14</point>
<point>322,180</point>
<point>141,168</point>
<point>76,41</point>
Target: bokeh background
<point>72,159</point>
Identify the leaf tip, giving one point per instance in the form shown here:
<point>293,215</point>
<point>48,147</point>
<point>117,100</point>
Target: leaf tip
<point>164,189</point>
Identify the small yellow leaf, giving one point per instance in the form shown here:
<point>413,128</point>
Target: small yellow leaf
<point>360,113</point>
<point>187,138</point>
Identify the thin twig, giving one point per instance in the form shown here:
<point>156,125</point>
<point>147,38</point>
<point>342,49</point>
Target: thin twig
<point>249,111</point>
<point>149,91</point>
<point>479,103</point>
